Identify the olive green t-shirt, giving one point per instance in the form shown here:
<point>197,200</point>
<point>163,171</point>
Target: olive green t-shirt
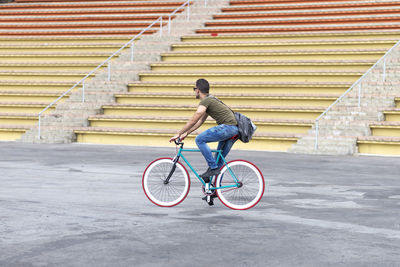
<point>218,111</point>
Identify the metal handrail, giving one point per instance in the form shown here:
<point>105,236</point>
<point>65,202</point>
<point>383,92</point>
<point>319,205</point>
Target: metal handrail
<point>160,20</point>
<point>358,82</point>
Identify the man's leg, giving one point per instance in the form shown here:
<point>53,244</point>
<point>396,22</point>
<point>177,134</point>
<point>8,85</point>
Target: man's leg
<point>214,134</point>
<point>225,146</point>
<point>201,141</point>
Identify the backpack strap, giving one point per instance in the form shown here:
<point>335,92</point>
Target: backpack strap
<point>225,105</point>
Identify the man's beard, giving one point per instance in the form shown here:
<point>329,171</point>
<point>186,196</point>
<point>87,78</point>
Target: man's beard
<point>197,96</point>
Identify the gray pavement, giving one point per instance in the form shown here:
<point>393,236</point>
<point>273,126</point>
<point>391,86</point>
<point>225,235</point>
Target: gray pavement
<point>83,205</point>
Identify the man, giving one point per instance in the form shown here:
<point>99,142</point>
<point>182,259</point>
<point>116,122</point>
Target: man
<point>225,133</point>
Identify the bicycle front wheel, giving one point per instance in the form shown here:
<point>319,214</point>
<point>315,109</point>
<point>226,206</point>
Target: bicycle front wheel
<point>243,192</point>
<point>157,190</point>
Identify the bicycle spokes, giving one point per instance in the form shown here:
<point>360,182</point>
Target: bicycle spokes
<point>242,185</point>
<point>169,190</point>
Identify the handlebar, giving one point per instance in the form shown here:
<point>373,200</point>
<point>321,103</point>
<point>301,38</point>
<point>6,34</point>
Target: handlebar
<point>178,142</point>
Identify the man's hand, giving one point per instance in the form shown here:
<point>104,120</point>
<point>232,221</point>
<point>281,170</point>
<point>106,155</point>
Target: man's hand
<point>180,136</point>
<point>195,122</point>
<point>174,138</point>
<point>183,136</point>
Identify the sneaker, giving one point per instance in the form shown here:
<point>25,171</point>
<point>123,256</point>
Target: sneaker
<point>210,172</point>
<point>209,199</point>
<point>212,197</point>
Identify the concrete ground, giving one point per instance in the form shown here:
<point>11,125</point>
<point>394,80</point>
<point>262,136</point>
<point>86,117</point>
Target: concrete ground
<point>83,205</point>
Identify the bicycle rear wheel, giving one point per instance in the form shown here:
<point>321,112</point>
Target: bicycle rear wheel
<point>165,194</point>
<point>250,189</point>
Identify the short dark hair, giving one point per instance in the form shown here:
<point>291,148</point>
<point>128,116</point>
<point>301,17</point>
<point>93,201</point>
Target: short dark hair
<point>203,86</point>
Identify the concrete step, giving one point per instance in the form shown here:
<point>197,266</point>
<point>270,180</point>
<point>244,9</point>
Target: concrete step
<point>328,145</point>
<point>379,145</point>
<point>328,54</point>
<point>265,2</point>
<point>230,99</point>
<point>310,6</point>
<point>339,11</point>
<point>251,87</point>
<point>154,137</point>
<point>24,107</point>
<point>271,65</point>
<point>56,66</point>
<point>266,76</point>
<point>32,96</point>
<point>287,46</point>
<point>392,115</point>
<point>83,18</point>
<point>17,26</point>
<point>254,112</point>
<point>43,76</point>
<point>66,48</point>
<point>327,20</point>
<point>385,129</point>
<point>12,132</point>
<point>316,27</point>
<point>291,36</point>
<point>63,40</point>
<point>18,119</point>
<point>69,1</point>
<point>53,57</point>
<point>141,122</point>
<point>91,5</point>
<point>48,86</point>
<point>88,11</point>
<point>397,102</point>
<point>83,32</point>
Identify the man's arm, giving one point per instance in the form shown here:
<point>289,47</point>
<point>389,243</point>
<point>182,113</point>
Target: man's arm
<point>198,124</point>
<point>198,117</point>
<point>201,110</point>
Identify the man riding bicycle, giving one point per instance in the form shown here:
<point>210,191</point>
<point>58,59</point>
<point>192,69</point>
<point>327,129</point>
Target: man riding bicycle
<point>225,132</point>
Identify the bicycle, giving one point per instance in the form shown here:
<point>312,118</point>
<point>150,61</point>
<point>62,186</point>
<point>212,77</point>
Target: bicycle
<point>239,186</point>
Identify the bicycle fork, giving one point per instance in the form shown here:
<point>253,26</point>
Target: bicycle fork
<point>175,160</point>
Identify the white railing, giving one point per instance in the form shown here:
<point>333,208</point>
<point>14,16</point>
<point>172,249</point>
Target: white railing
<point>107,61</point>
<point>358,82</point>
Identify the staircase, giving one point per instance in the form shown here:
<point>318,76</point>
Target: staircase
<point>282,63</point>
<point>385,135</point>
<point>47,46</point>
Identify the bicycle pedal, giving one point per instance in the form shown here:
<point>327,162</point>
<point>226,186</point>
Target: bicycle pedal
<point>210,200</point>
<point>205,197</point>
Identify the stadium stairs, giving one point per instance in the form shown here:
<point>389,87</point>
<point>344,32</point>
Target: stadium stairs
<point>280,62</point>
<point>48,46</point>
<point>383,137</point>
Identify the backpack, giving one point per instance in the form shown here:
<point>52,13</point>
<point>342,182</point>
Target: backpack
<point>245,126</point>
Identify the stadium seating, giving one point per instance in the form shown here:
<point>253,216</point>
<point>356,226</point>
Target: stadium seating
<point>280,62</point>
<point>45,48</point>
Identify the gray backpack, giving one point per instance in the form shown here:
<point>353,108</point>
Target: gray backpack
<point>245,125</point>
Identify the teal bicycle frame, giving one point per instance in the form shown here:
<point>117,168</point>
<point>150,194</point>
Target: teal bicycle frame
<point>220,156</point>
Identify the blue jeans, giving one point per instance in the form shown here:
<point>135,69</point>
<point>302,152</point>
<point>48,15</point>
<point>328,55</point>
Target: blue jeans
<point>222,134</point>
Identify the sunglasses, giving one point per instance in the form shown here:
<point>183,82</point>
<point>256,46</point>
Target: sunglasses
<point>194,88</point>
